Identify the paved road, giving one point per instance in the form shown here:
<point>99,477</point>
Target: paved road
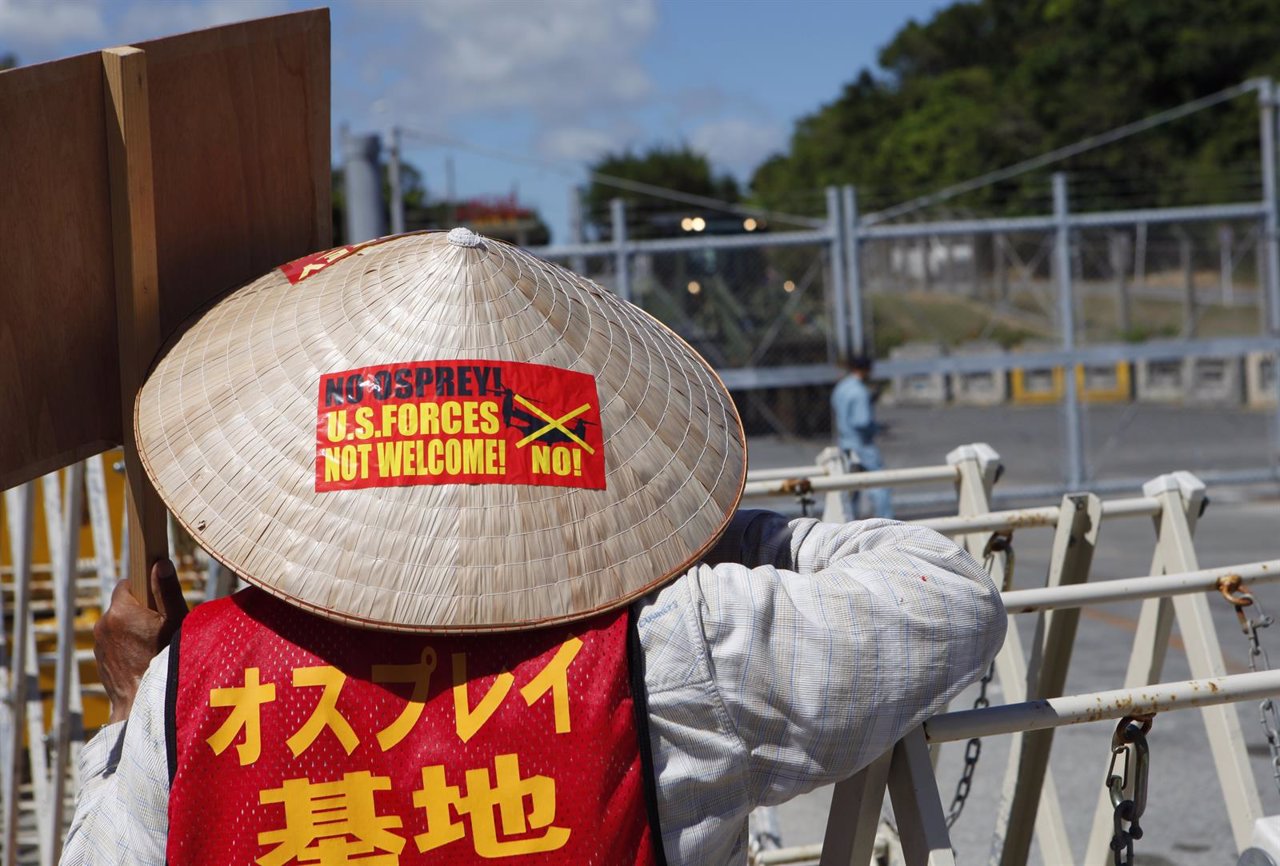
<point>1121,441</point>
<point>1186,820</point>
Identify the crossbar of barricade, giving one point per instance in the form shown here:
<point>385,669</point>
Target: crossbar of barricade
<point>1041,516</point>
<point>778,486</point>
<point>1100,706</point>
<point>965,467</point>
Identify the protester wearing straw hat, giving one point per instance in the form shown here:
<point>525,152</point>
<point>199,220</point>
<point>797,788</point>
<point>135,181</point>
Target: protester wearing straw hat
<point>504,606</point>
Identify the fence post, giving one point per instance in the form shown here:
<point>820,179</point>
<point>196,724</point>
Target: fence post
<point>839,290</point>
<point>1140,255</point>
<point>1226,264</point>
<point>1188,284</point>
<point>1001,272</point>
<point>860,333</point>
<point>1118,248</point>
<point>1270,232</point>
<point>1066,317</point>
<point>1271,227</point>
<point>622,264</point>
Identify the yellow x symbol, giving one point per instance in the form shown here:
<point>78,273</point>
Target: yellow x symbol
<point>553,423</point>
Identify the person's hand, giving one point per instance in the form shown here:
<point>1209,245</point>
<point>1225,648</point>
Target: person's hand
<point>129,635</point>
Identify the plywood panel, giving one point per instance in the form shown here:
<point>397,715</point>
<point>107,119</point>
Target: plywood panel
<point>59,386</point>
<point>240,142</point>
<point>240,137</point>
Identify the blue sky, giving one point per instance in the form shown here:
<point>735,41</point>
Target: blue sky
<point>550,84</point>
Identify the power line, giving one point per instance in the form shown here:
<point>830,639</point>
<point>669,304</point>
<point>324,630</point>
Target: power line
<point>1082,146</point>
<point>617,182</point>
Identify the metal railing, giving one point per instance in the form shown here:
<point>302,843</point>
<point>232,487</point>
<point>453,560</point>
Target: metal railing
<point>1033,678</point>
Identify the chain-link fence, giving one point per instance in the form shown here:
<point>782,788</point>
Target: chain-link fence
<point>1079,344</point>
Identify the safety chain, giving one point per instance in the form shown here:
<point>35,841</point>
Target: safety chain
<point>1232,588</point>
<point>972,751</point>
<point>803,490</point>
<point>1130,736</point>
<point>1000,542</point>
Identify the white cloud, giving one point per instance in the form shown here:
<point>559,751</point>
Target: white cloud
<point>738,144</point>
<point>38,28</point>
<point>555,58</point>
<point>147,19</point>
<point>577,144</point>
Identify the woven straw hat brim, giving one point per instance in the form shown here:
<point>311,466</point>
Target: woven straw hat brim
<point>231,428</point>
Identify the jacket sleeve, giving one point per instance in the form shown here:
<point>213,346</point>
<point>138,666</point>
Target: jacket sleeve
<point>122,811</point>
<point>829,642</point>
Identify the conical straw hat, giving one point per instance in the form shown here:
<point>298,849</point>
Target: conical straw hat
<point>441,433</point>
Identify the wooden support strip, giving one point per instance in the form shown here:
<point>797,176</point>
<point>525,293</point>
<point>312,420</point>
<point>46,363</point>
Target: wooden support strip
<point>137,287</point>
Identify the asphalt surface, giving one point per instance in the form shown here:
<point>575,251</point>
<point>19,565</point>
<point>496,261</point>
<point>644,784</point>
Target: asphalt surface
<point>1121,441</point>
<point>1186,820</point>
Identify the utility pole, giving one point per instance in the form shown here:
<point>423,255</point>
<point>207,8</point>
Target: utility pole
<point>363,184</point>
<point>393,176</point>
<point>450,194</point>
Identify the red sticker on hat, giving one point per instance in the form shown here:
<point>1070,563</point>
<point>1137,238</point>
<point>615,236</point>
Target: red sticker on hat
<point>458,422</point>
<point>299,269</point>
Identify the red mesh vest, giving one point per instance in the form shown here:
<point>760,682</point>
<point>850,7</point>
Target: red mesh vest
<point>293,739</point>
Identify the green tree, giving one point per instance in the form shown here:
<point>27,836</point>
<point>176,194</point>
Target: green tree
<point>8,60</point>
<point>678,168</point>
<point>988,83</point>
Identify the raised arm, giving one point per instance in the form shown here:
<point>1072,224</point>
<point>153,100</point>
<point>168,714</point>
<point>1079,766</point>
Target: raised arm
<point>809,654</point>
<point>122,812</point>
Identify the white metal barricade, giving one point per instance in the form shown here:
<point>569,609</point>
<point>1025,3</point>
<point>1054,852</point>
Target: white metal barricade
<point>34,818</point>
<point>973,469</point>
<point>909,778</point>
<point>34,811</point>
<point>44,604</point>
<point>1029,803</point>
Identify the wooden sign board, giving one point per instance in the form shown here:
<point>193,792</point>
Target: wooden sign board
<point>239,142</point>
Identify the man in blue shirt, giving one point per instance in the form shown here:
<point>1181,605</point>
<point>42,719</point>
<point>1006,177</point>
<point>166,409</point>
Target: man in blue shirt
<point>852,402</point>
